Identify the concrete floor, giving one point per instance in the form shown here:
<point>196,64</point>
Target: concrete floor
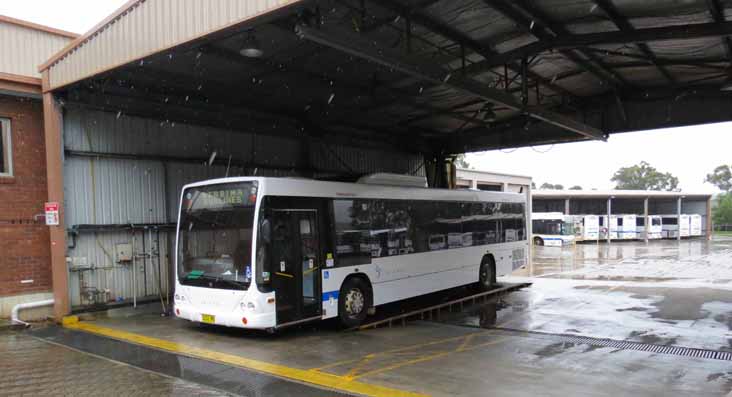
<point>515,347</point>
<point>33,367</point>
<point>455,357</point>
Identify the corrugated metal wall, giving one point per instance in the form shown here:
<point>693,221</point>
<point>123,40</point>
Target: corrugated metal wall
<point>29,49</point>
<point>152,26</point>
<point>137,175</point>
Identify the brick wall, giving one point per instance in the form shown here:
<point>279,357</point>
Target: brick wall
<point>24,241</point>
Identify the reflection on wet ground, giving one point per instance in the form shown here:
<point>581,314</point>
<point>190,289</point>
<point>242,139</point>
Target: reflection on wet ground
<point>655,260</point>
<point>664,292</point>
<point>698,317</point>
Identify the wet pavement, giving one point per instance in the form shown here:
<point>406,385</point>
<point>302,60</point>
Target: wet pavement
<point>543,340</point>
<point>33,367</point>
<point>449,358</point>
<point>657,260</point>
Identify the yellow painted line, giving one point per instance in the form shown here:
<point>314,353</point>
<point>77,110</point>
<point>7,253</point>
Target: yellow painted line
<point>284,274</point>
<point>302,375</point>
<point>427,358</point>
<point>396,350</point>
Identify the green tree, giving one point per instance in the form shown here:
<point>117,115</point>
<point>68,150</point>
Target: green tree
<point>644,177</point>
<point>576,187</point>
<point>721,177</point>
<point>550,186</point>
<point>722,214</point>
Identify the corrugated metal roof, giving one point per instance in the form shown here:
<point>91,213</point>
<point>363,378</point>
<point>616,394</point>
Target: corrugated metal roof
<point>144,27</point>
<point>24,46</point>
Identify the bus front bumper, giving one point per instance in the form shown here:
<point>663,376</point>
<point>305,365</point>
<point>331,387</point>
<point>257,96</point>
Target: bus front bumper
<point>238,318</point>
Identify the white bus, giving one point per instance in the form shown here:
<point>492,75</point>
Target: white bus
<point>586,227</point>
<point>266,253</point>
<point>673,225</point>
<point>654,229</point>
<point>610,227</point>
<point>695,225</point>
<point>627,227</point>
<point>551,229</point>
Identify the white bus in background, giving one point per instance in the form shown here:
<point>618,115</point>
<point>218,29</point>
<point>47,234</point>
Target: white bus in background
<point>655,228</point>
<point>586,227</point>
<point>627,227</point>
<point>266,253</point>
<point>672,226</point>
<point>552,229</point>
<point>695,225</point>
<point>612,229</point>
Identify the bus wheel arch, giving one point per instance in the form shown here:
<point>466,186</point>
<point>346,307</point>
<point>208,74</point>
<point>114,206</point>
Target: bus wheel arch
<point>355,299</point>
<point>538,241</point>
<point>487,271</point>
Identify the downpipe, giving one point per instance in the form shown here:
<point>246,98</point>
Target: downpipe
<point>23,306</point>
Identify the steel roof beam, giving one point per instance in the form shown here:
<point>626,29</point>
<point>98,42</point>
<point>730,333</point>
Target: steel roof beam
<point>682,32</point>
<point>538,23</point>
<point>717,11</point>
<point>462,39</point>
<point>360,47</point>
<point>621,22</point>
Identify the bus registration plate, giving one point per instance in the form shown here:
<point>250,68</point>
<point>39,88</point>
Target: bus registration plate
<point>208,318</point>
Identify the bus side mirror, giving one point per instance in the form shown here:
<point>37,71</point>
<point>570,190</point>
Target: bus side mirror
<point>265,231</point>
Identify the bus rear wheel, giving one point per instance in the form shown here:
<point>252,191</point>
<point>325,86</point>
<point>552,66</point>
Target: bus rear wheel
<point>538,241</point>
<point>353,301</point>
<point>487,276</point>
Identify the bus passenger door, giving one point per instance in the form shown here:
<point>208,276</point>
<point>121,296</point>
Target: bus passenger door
<point>296,261</point>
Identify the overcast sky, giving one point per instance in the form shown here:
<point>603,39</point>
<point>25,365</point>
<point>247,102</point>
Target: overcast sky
<point>76,16</point>
<point>688,153</point>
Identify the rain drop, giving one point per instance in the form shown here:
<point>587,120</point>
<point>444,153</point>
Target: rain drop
<point>119,114</point>
<point>593,8</point>
<point>531,27</point>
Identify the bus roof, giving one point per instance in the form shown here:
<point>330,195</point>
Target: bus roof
<point>301,187</point>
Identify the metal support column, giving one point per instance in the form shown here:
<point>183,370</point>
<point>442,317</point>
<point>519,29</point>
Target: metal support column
<point>52,125</point>
<point>645,222</point>
<point>607,220</point>
<point>710,226</point>
<point>678,219</point>
<point>566,206</point>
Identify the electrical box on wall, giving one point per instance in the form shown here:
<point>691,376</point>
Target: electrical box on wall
<point>124,252</point>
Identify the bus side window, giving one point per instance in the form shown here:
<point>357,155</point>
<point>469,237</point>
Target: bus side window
<point>353,231</point>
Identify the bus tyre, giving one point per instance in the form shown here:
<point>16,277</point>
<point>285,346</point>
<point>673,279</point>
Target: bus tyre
<point>354,301</point>
<point>487,272</point>
<point>538,241</point>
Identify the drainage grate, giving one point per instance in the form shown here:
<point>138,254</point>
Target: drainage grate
<point>628,345</point>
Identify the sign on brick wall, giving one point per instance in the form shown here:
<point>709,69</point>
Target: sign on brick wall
<point>51,214</point>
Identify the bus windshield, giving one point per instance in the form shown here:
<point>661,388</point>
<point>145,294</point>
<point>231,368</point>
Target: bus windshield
<point>215,235</point>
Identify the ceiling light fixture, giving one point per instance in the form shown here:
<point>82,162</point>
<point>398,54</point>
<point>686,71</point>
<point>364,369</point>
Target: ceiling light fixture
<point>251,48</point>
<point>489,115</point>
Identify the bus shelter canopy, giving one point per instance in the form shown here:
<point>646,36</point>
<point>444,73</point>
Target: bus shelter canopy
<point>425,76</point>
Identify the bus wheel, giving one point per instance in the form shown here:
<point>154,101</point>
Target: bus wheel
<point>354,301</point>
<point>487,272</point>
<point>538,241</point>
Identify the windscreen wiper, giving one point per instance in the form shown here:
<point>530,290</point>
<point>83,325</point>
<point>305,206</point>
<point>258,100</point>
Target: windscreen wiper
<point>236,284</point>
